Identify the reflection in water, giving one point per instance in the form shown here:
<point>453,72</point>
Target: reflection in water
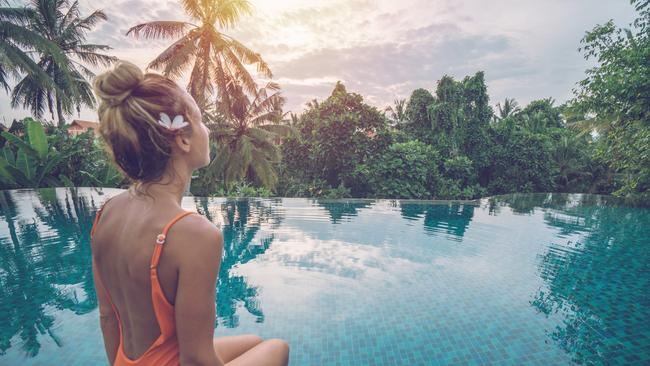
<point>243,220</point>
<point>572,272</point>
<point>37,271</point>
<point>341,209</point>
<point>452,218</point>
<point>596,280</point>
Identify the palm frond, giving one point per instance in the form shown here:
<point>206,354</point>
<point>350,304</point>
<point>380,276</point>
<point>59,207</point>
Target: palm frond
<point>228,12</point>
<point>200,86</point>
<point>160,29</point>
<point>71,15</point>
<point>281,130</point>
<point>19,61</point>
<point>270,116</point>
<point>193,8</point>
<point>16,15</point>
<point>245,150</point>
<point>178,62</point>
<point>250,57</point>
<point>238,71</point>
<point>263,170</point>
<point>273,103</point>
<point>30,94</point>
<point>89,22</point>
<point>5,71</point>
<point>170,52</point>
<point>95,59</point>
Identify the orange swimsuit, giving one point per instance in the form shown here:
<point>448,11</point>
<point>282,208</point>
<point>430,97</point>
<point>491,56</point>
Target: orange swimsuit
<point>164,350</point>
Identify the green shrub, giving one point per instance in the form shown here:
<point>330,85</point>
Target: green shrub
<point>405,170</point>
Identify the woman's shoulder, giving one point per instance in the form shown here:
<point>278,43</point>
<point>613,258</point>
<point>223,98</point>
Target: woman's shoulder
<point>198,237</point>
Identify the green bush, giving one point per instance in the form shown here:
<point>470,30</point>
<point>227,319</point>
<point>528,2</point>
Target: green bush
<point>405,170</point>
<point>520,161</point>
<point>29,161</point>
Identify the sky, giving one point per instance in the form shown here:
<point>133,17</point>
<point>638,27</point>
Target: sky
<point>385,49</point>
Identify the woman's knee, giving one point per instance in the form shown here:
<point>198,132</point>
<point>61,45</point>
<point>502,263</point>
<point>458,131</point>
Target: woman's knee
<point>254,338</point>
<point>278,345</point>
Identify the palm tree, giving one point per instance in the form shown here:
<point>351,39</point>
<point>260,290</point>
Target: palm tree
<point>16,40</point>
<point>245,129</point>
<point>586,123</point>
<point>218,58</point>
<point>566,157</point>
<point>397,113</point>
<point>510,107</point>
<point>60,22</point>
<point>293,120</point>
<point>312,104</point>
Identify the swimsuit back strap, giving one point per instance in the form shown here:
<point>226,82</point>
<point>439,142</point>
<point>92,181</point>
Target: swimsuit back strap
<point>163,309</point>
<point>160,239</point>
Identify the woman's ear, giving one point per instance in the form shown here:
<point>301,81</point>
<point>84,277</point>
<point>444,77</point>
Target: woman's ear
<point>183,142</point>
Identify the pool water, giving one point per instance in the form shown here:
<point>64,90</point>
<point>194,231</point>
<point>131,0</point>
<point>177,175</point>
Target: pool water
<point>528,279</point>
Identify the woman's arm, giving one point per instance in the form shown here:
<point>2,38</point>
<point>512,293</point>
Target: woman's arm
<point>107,319</point>
<point>195,294</point>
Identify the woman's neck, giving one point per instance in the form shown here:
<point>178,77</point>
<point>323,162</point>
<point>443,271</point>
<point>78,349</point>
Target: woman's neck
<point>170,187</point>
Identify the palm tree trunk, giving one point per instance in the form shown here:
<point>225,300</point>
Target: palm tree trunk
<point>59,111</point>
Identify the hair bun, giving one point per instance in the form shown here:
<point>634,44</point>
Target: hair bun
<point>116,84</point>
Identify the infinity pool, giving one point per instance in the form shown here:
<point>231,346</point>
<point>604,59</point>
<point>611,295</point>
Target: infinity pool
<point>529,279</point>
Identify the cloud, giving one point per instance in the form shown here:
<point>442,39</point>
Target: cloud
<point>385,49</point>
<point>416,59</point>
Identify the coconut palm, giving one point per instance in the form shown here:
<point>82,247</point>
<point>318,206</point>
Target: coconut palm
<point>397,113</point>
<point>16,41</point>
<point>566,157</point>
<point>245,130</point>
<point>218,58</point>
<point>586,123</point>
<point>60,22</point>
<point>510,107</point>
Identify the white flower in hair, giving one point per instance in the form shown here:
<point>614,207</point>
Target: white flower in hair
<point>167,122</point>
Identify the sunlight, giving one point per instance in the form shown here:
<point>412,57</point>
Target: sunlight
<point>280,5</point>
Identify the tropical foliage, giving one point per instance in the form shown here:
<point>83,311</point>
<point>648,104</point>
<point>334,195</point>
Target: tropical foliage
<point>28,162</point>
<point>16,39</point>
<point>65,89</point>
<point>244,130</point>
<point>613,99</point>
<point>218,59</point>
<point>445,143</point>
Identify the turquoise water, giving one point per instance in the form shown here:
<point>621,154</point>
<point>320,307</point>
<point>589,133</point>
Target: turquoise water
<point>516,280</point>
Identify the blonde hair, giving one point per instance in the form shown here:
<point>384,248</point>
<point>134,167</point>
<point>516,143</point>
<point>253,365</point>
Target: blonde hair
<point>130,104</point>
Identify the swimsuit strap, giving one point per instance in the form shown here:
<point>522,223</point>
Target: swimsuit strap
<point>160,239</point>
<point>163,309</point>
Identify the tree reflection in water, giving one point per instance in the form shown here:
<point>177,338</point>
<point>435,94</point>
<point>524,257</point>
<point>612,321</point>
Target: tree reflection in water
<point>45,260</point>
<point>243,219</point>
<point>452,218</point>
<point>36,269</point>
<point>339,210</point>
<point>595,290</point>
<point>596,276</point>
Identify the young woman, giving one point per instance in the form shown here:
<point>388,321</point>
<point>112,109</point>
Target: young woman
<point>155,265</point>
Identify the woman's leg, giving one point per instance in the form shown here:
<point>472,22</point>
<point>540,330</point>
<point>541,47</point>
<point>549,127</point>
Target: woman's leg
<point>273,352</point>
<point>230,347</point>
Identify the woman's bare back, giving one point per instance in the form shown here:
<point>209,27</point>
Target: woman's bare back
<point>123,245</point>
